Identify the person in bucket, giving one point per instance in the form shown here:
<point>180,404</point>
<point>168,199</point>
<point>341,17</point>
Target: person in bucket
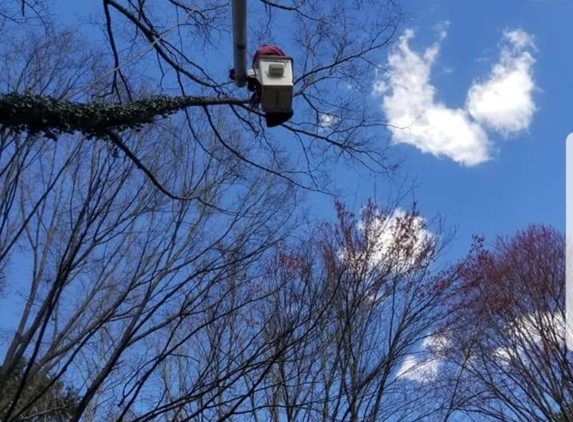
<point>253,85</point>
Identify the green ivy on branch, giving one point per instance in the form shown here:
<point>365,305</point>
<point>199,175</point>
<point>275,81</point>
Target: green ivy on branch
<point>36,114</point>
<point>45,115</point>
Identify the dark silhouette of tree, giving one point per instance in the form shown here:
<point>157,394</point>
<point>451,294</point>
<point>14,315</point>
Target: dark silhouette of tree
<point>50,400</point>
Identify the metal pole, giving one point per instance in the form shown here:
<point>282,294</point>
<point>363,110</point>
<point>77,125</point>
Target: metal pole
<point>240,41</point>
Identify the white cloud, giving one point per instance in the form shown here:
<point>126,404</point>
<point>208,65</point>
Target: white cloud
<point>426,368</point>
<point>527,333</point>
<point>519,38</point>
<point>396,240</point>
<point>326,120</point>
<point>442,29</point>
<point>414,370</point>
<point>416,118</point>
<point>504,100</point>
<point>436,344</point>
<point>394,244</point>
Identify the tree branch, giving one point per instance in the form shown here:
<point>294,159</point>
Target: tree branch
<point>32,113</point>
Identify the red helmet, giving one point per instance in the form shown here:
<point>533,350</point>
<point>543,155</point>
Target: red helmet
<point>267,50</point>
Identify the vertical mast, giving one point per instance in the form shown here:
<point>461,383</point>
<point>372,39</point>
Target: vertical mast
<point>240,41</point>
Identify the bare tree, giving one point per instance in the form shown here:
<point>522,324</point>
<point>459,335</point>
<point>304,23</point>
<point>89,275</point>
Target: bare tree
<point>370,278</point>
<point>507,359</point>
<point>146,238</point>
<point>171,45</point>
<point>121,276</point>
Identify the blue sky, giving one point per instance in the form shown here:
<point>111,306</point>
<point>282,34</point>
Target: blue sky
<point>522,109</point>
<point>489,87</point>
<point>519,178</point>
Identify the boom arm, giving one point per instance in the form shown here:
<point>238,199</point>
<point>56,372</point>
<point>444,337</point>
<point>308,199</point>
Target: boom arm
<point>240,41</point>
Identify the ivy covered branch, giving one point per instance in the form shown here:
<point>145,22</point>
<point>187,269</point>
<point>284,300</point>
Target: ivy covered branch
<point>36,114</point>
<point>51,117</point>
